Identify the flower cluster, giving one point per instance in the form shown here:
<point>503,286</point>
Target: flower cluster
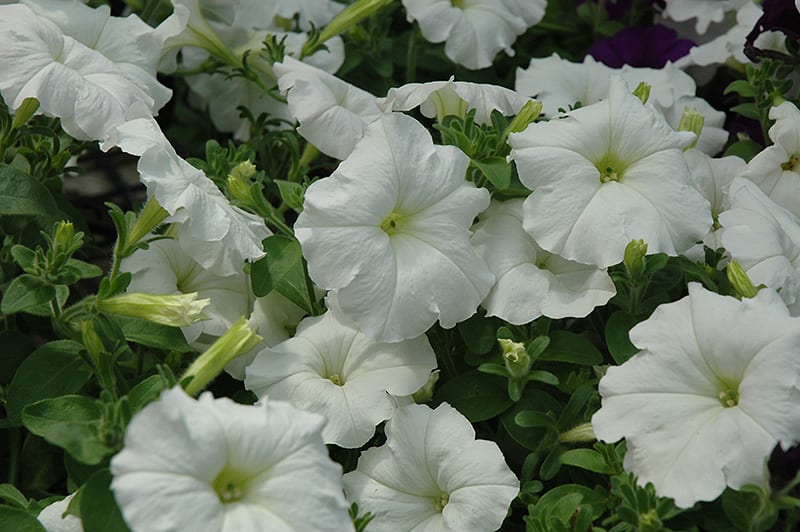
<point>370,286</point>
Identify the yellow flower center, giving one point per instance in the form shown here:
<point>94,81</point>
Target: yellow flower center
<point>729,398</point>
<point>441,501</point>
<point>791,164</point>
<point>336,379</point>
<point>230,485</point>
<point>392,223</point>
<point>457,3</point>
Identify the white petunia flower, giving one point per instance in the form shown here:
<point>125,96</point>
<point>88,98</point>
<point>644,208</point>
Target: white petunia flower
<point>53,519</point>
<point>164,268</point>
<point>712,391</point>
<point>316,12</point>
<point>389,231</point>
<point>474,30</point>
<point>730,45</point>
<point>84,66</point>
<point>765,239</point>
<point>213,465</point>
<point>607,174</point>
<point>530,281</point>
<point>334,370</point>
<point>333,114</point>
<point>217,235</point>
<point>432,475</point>
<point>776,170</point>
<point>704,11</point>
<point>438,99</point>
<point>560,84</point>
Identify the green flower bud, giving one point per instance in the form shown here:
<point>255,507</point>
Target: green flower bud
<point>642,91</point>
<point>62,236</point>
<point>349,17</point>
<point>580,434</point>
<point>172,310</point>
<point>239,340</point>
<point>633,259</point>
<point>151,217</point>
<point>526,116</point>
<point>693,121</point>
<point>24,112</point>
<point>425,394</point>
<point>518,362</point>
<point>741,282</point>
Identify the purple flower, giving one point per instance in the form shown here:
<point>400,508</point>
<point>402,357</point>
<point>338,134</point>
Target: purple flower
<point>650,46</point>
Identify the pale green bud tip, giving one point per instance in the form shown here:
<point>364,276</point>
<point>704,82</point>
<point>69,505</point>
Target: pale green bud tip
<point>526,116</point>
<point>238,340</point>
<point>63,234</point>
<point>90,338</point>
<point>173,310</point>
<point>518,362</point>
<point>425,394</point>
<point>634,257</point>
<point>580,434</point>
<point>741,282</point>
<point>244,170</point>
<point>691,120</point>
<point>24,112</point>
<point>350,16</point>
<point>151,217</point>
<point>642,91</point>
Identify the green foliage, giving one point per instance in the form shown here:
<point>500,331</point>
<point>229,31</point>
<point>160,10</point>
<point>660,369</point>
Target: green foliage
<point>283,269</point>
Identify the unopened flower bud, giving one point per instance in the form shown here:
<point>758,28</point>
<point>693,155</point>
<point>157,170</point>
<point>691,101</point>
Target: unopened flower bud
<point>634,257</point>
<point>741,282</point>
<point>642,91</point>
<point>425,394</point>
<point>24,112</point>
<point>691,120</point>
<point>63,235</point>
<point>529,112</point>
<point>177,310</point>
<point>239,340</point>
<point>518,362</point>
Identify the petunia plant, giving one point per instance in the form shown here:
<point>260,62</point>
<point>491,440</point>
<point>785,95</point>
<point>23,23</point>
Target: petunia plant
<point>402,265</point>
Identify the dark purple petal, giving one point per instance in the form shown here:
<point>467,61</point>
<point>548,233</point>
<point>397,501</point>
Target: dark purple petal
<point>650,46</point>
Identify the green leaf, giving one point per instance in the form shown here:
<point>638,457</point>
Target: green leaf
<point>530,437</point>
<point>43,309</point>
<point>16,347</point>
<point>70,422</point>
<point>741,87</point>
<point>283,269</point>
<point>478,332</point>
<point>543,376</point>
<point>11,494</point>
<point>145,392</point>
<point>99,509</point>
<point>26,292</point>
<point>19,520</point>
<point>619,344</point>
<point>532,419</point>
<point>476,395</point>
<point>291,193</point>
<point>588,459</point>
<point>25,257</point>
<point>748,110</point>
<point>496,169</point>
<point>55,369</point>
<point>21,194</point>
<point>745,149</point>
<point>79,269</point>
<point>151,334</point>
<point>570,347</point>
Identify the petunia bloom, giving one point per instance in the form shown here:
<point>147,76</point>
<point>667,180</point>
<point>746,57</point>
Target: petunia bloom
<point>333,369</point>
<point>712,391</point>
<point>217,235</point>
<point>333,114</point>
<point>388,231</point>
<point>212,465</point>
<point>433,475</point>
<point>438,99</point>
<point>530,281</point>
<point>607,174</point>
<point>474,30</point>
<point>84,66</point>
